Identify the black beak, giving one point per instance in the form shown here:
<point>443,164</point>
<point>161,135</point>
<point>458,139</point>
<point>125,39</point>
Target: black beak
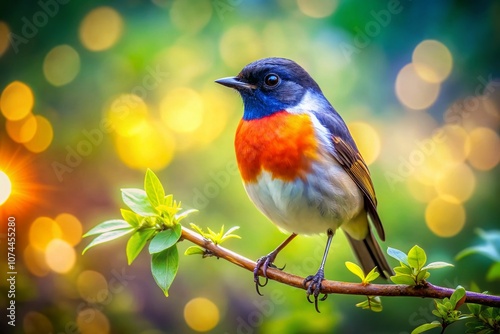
<point>234,82</point>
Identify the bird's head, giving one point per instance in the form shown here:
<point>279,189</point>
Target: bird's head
<point>270,85</point>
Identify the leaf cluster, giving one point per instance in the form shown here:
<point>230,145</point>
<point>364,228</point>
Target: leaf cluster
<point>412,269</point>
<point>151,217</point>
<point>216,238</point>
<point>486,319</point>
<point>372,303</point>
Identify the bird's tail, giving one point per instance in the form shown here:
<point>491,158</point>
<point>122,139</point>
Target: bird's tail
<point>369,254</point>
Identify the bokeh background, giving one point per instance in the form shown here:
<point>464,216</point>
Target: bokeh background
<point>95,92</point>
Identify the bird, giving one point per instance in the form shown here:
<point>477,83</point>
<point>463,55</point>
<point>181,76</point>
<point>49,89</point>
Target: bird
<point>301,167</point>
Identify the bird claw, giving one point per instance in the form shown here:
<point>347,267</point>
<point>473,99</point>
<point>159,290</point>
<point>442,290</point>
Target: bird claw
<point>263,263</point>
<point>314,288</point>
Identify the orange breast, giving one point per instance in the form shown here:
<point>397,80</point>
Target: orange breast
<point>283,144</point>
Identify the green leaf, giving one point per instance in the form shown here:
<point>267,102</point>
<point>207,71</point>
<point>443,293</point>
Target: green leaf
<point>228,234</point>
<point>376,307</point>
<point>417,257</point>
<point>403,270</point>
<point>355,269</point>
<point>437,265</point>
<point>164,266</point>
<point>426,327</point>
<point>137,242</point>
<point>375,303</point>
<point>198,230</point>
<point>108,236</point>
<point>458,297</point>
<point>131,217</point>
<point>465,316</point>
<point>403,279</point>
<point>154,188</point>
<point>441,307</point>
<point>232,229</point>
<point>372,303</point>
<point>165,239</point>
<point>436,313</point>
<point>422,276</point>
<point>137,201</point>
<point>365,304</point>
<point>372,275</point>
<point>215,237</point>
<point>398,255</point>
<point>108,226</point>
<point>168,201</point>
<point>194,250</point>
<point>487,250</point>
<point>494,272</point>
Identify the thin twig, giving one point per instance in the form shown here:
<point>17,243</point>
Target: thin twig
<point>389,290</point>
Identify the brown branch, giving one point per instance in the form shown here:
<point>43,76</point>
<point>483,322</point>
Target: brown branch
<point>389,290</point>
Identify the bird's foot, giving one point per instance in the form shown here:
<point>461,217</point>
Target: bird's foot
<point>315,287</point>
<point>264,263</point>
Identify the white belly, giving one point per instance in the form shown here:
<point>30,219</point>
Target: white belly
<point>311,205</point>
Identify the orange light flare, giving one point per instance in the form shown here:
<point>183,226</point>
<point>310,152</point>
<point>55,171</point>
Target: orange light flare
<point>26,191</point>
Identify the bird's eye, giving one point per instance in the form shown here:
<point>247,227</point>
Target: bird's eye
<point>272,80</point>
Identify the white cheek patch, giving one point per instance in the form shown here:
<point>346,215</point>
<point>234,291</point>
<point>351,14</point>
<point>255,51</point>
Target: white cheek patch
<point>309,102</point>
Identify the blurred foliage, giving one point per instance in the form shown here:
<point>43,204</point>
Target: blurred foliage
<point>93,93</point>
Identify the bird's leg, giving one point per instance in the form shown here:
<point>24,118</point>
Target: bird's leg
<point>314,287</point>
<point>266,262</point>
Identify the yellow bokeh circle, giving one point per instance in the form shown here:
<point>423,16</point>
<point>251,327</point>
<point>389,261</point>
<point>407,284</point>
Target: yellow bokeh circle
<point>128,115</point>
<point>71,228</point>
<point>43,136</point>
<point>23,130</point>
<point>34,259</point>
<point>421,191</point>
<point>317,8</point>
<point>456,183</point>
<point>60,256</point>
<point>61,65</point>
<point>432,60</point>
<point>36,323</point>
<point>190,16</point>
<point>455,144</point>
<point>413,91</point>
<point>182,110</point>
<point>153,148</point>
<point>444,218</point>
<point>43,231</point>
<point>215,116</point>
<point>101,28</point>
<point>16,101</point>
<point>92,321</point>
<point>485,149</point>
<point>201,314</point>
<point>367,140</point>
<point>92,286</point>
<point>240,45</point>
